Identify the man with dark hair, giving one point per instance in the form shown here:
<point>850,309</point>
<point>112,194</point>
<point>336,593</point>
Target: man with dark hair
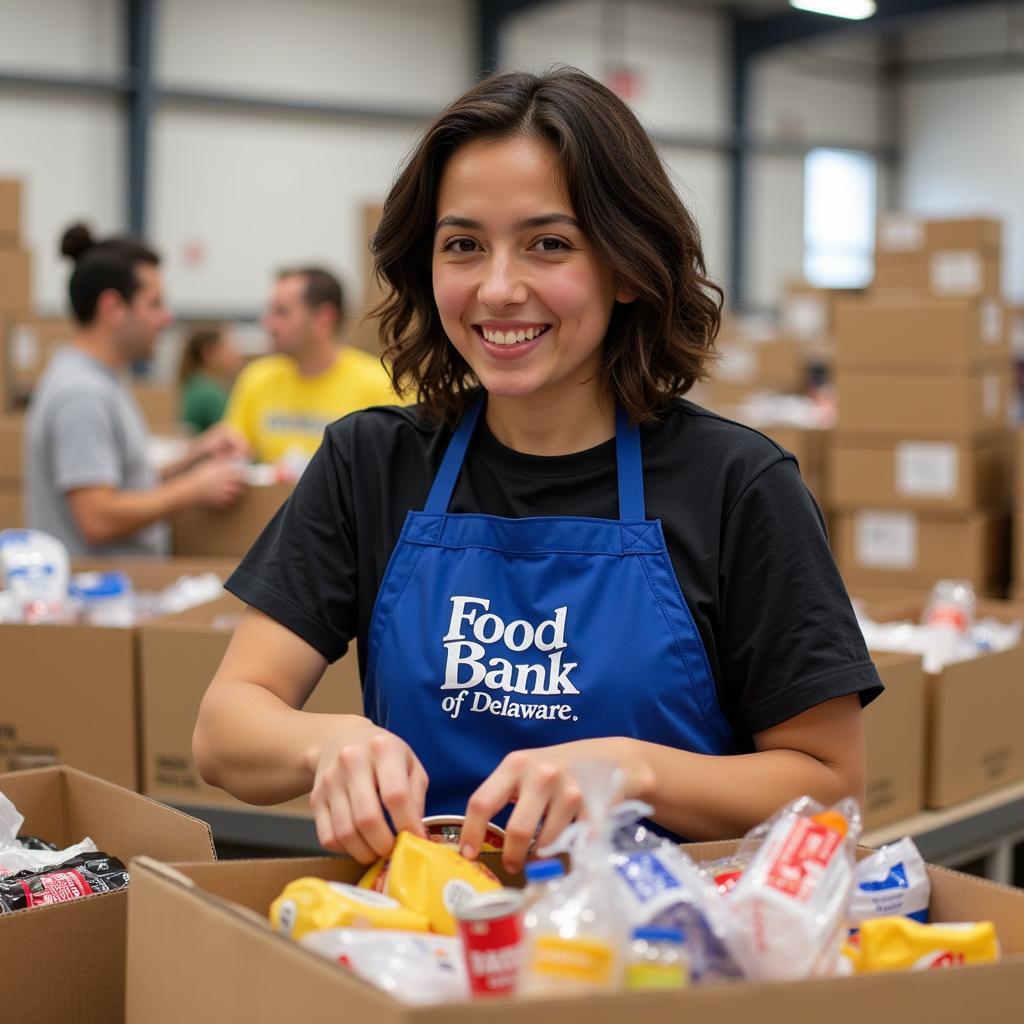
<point>281,403</point>
<point>89,481</point>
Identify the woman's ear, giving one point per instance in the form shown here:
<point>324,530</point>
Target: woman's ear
<point>624,295</point>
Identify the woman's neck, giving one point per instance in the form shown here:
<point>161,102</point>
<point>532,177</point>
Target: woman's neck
<point>541,425</point>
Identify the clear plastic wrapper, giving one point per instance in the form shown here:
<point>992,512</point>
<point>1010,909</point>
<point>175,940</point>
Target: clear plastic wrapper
<point>413,967</point>
<point>33,855</point>
<point>36,568</point>
<point>892,881</point>
<point>786,916</point>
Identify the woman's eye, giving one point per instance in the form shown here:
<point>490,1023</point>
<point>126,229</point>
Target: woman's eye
<point>458,245</point>
<point>551,245</point>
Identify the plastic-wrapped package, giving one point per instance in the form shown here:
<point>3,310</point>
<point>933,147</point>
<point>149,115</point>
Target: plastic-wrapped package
<point>892,881</point>
<point>72,879</point>
<point>900,944</point>
<point>786,916</point>
<point>36,568</point>
<point>17,855</point>
<point>415,968</point>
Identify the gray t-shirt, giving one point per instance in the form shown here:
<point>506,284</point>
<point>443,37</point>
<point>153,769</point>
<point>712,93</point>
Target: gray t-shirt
<point>85,430</point>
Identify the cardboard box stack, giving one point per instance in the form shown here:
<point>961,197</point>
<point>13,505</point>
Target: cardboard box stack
<point>919,480</point>
<point>363,332</point>
<point>12,430</point>
<point>1018,516</point>
<point>15,275</point>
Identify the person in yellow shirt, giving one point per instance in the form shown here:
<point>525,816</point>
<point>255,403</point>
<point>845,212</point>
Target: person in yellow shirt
<point>281,403</point>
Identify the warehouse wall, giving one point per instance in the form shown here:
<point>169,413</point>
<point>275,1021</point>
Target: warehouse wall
<point>962,125</point>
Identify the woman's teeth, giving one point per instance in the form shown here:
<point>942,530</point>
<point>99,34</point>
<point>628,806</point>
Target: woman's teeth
<point>512,337</point>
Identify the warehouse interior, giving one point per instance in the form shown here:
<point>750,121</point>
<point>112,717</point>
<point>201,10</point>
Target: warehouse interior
<point>855,177</point>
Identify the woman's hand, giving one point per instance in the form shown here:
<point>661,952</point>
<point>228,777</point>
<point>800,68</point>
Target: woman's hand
<point>545,793</point>
<point>361,770</point>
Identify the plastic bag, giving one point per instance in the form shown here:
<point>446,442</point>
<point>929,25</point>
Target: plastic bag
<point>787,912</point>
<point>15,856</point>
<point>893,880</point>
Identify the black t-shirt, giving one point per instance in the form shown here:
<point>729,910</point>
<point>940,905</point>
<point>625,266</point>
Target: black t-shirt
<point>745,537</point>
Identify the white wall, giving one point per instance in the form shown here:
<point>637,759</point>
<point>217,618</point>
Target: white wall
<point>62,37</point>
<point>964,135</point>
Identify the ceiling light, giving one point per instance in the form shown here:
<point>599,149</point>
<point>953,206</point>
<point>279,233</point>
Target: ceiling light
<point>856,10</point>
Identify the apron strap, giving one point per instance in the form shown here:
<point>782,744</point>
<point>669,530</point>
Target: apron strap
<point>627,456</point>
<point>630,467</point>
<point>444,483</point>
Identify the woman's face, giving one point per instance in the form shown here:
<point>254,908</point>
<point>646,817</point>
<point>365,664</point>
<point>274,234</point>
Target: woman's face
<point>521,293</point>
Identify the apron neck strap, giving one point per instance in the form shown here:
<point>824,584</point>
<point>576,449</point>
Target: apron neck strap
<point>627,456</point>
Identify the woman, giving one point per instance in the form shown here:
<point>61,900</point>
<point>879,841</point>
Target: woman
<point>209,363</point>
<point>549,305</point>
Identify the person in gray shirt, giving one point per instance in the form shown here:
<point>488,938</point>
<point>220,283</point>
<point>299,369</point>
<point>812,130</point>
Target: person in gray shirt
<point>88,480</point>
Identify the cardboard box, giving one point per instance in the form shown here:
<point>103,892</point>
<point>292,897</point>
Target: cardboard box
<point>939,406</point>
<point>883,547</point>
<point>950,476</point>
<point>805,312</point>
<point>12,438</point>
<point>982,233</point>
<point>66,961</point>
<point>921,335</point>
<point>204,532</point>
<point>178,657</point>
<point>946,273</point>
<point>899,236</point>
<point>12,509</point>
<point>159,404</point>
<point>70,691</point>
<point>975,708</point>
<point>15,282</point>
<point>207,923</point>
<point>10,213</point>
<point>895,727</point>
<point>28,344</point>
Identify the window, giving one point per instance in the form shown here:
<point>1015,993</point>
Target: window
<point>839,218</point>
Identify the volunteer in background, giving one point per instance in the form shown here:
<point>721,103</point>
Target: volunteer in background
<point>282,403</point>
<point>88,479</point>
<point>512,554</point>
<point>210,361</point>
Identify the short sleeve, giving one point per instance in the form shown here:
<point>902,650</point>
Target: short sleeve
<point>86,451</point>
<point>303,570</point>
<point>238,413</point>
<point>790,637</point>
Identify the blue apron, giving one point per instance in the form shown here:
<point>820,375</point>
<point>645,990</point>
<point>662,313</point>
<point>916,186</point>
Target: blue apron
<point>491,635</point>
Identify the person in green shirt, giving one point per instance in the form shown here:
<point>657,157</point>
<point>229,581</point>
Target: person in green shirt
<point>209,364</point>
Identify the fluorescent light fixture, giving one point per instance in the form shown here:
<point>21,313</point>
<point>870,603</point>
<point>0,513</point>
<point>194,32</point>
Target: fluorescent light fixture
<point>855,10</point>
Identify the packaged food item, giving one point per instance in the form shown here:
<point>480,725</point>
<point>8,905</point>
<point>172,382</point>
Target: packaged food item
<point>542,876</point>
<point>415,967</point>
<point>34,843</point>
<point>80,876</point>
<point>104,598</point>
<point>447,829</point>
<point>314,904</point>
<point>900,944</point>
<point>657,959</point>
<point>951,605</point>
<point>491,929</point>
<point>429,878</point>
<point>574,934</point>
<point>892,881</point>
<point>787,912</point>
<point>725,873</point>
<point>36,568</point>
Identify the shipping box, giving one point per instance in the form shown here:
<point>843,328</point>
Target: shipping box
<point>179,655</point>
<point>207,924</point>
<point>70,691</point>
<point>66,962</point>
<point>805,312</point>
<point>28,344</point>
<point>10,213</point>
<point>12,438</point>
<point>227,533</point>
<point>895,729</point>
<point>15,283</point>
<point>945,273</point>
<point>939,405</point>
<point>159,403</point>
<point>922,335</point>
<point>897,548</point>
<point>899,236</point>
<point>982,233</point>
<point>12,509</point>
<point>949,476</point>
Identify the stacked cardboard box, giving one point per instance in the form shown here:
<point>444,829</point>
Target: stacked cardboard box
<point>15,275</point>
<point>920,469</point>
<point>12,431</point>
<point>944,258</point>
<point>227,533</point>
<point>1018,517</point>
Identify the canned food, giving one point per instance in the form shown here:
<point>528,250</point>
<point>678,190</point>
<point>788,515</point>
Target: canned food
<point>447,829</point>
<point>491,927</point>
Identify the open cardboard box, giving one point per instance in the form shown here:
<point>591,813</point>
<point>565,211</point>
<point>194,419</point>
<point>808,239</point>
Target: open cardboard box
<point>201,949</point>
<point>66,962</point>
<point>179,655</point>
<point>70,691</point>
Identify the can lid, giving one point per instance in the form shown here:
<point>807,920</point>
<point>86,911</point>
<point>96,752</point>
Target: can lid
<point>654,934</point>
<point>542,870</point>
<point>486,906</point>
<point>90,586</point>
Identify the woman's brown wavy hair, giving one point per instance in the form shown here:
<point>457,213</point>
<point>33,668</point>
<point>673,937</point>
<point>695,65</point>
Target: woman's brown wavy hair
<point>656,347</point>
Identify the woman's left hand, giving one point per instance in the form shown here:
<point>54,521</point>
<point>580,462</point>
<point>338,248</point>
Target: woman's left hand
<point>540,784</point>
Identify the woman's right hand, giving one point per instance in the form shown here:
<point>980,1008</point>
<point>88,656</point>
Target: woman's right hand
<point>361,770</point>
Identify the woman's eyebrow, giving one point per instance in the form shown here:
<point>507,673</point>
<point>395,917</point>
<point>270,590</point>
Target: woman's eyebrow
<point>544,219</point>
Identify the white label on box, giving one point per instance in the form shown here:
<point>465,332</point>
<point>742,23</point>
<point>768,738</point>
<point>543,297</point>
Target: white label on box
<point>804,316</point>
<point>25,352</point>
<point>956,272</point>
<point>926,469</point>
<point>900,234</point>
<point>991,322</point>
<point>885,540</point>
<point>990,395</point>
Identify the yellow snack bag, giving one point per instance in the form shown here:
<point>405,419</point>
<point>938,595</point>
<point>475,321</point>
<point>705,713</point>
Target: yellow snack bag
<point>901,944</point>
<point>313,904</point>
<point>429,878</point>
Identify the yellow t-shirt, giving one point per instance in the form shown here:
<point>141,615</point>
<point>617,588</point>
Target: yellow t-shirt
<point>278,410</point>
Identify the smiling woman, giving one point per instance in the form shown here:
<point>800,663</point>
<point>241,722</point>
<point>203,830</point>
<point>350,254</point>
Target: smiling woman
<point>553,556</point>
